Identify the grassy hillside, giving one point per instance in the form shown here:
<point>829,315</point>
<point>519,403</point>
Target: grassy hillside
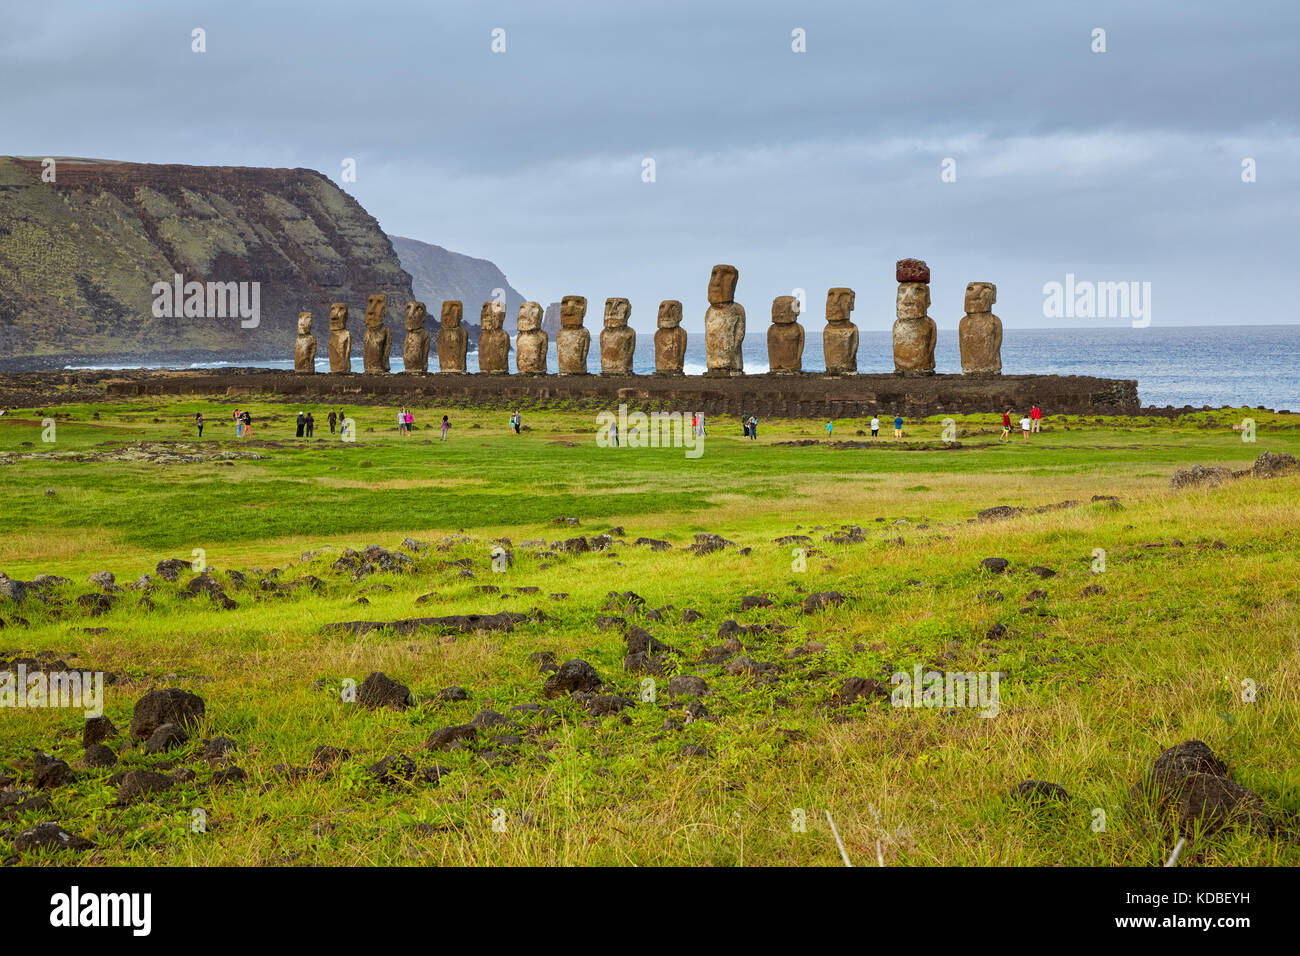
<point>1100,670</point>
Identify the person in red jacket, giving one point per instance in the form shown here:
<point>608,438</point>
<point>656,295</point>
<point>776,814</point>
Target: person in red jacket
<point>1006,427</point>
<point>1036,418</point>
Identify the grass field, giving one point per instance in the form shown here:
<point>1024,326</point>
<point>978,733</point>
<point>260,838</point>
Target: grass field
<point>1194,600</point>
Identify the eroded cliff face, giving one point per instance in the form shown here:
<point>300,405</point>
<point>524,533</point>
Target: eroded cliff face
<point>80,256</point>
<point>438,274</point>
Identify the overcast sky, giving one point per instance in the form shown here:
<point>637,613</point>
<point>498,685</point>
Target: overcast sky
<point>805,170</point>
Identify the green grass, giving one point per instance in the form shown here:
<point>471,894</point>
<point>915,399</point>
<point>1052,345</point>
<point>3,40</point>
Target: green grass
<point>1095,689</point>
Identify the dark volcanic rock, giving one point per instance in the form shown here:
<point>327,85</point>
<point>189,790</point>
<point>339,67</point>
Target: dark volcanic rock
<point>165,738</point>
<point>168,706</point>
<point>96,730</point>
<point>380,690</point>
<point>441,738</point>
<point>1039,791</point>
<point>137,784</point>
<point>687,685</point>
<point>996,565</point>
<point>751,601</point>
<point>99,755</point>
<point>573,675</point>
<point>861,688</point>
<point>822,600</point>
<point>50,772</point>
<point>49,836</point>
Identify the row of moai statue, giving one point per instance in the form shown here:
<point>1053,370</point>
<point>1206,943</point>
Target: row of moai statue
<point>915,334</point>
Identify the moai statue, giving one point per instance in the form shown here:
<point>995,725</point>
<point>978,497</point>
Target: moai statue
<point>724,324</point>
<point>493,341</point>
<point>785,337</point>
<point>378,341</point>
<point>415,350</point>
<point>840,337</point>
<point>572,342</point>
<point>980,331</point>
<point>304,347</point>
<point>617,341</point>
<point>340,339</point>
<point>670,339</point>
<point>453,340</point>
<point>531,343</point>
<point>914,332</point>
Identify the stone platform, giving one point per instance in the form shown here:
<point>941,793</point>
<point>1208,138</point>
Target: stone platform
<point>766,396</point>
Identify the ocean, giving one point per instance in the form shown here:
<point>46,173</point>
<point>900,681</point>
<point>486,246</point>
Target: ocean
<point>1233,365</point>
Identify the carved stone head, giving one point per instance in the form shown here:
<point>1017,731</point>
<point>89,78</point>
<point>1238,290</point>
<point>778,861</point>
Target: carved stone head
<point>785,310</point>
<point>617,312</point>
<point>415,316</point>
<point>980,296</point>
<point>452,311</point>
<point>573,309</point>
<point>839,304</point>
<point>304,323</point>
<point>722,285</point>
<point>913,300</point>
<point>375,311</point>
<point>530,317</point>
<point>492,317</point>
<point>338,316</point>
<point>670,314</point>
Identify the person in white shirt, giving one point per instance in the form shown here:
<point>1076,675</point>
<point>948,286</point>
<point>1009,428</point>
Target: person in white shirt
<point>875,427</point>
<point>1025,425</point>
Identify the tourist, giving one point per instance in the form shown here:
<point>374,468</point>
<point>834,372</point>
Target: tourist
<point>401,421</point>
<point>898,426</point>
<point>613,434</point>
<point>1026,424</point>
<point>695,424</point>
<point>333,419</point>
<point>1006,427</point>
<point>1036,418</point>
<point>343,424</point>
<point>875,427</point>
<point>701,434</point>
<point>828,429</point>
<point>446,426</point>
<point>247,418</point>
<point>408,419</point>
<point>744,426</point>
<point>753,428</point>
<point>302,423</point>
<point>239,424</point>
<point>198,421</point>
<point>517,422</point>
<point>311,425</point>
